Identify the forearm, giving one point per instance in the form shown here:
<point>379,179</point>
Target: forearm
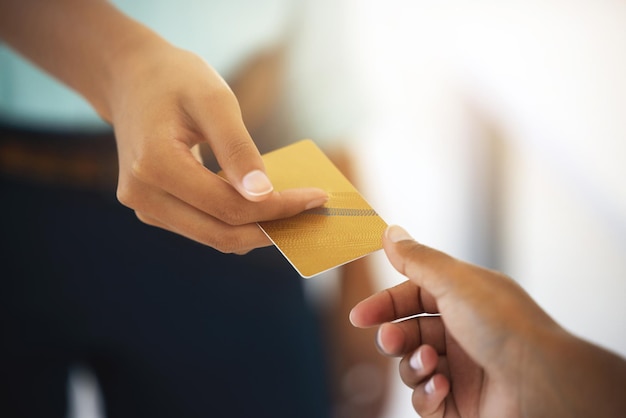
<point>578,379</point>
<point>600,375</point>
<point>83,43</point>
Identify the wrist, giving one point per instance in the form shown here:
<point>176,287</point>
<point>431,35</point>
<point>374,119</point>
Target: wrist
<point>572,377</point>
<point>125,64</point>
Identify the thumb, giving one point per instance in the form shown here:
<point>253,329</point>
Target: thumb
<point>245,170</point>
<point>461,301</point>
<point>480,307</point>
<point>428,268</point>
<point>241,161</point>
<point>220,122</point>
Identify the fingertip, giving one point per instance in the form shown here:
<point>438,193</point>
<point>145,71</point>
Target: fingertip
<point>379,343</point>
<point>424,359</point>
<point>317,202</point>
<point>437,386</point>
<point>426,267</point>
<point>395,233</point>
<point>360,314</point>
<point>429,387</point>
<point>416,362</point>
<point>354,316</point>
<point>418,365</point>
<point>428,397</point>
<point>351,317</point>
<point>389,340</point>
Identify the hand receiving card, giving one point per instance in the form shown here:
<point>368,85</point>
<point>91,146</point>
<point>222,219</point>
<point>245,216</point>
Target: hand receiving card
<point>344,229</point>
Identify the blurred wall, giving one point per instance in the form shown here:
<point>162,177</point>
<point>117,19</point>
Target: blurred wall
<point>497,133</point>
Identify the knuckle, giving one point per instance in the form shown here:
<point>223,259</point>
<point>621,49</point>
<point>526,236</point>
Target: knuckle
<point>233,240</point>
<point>145,219</point>
<point>131,194</point>
<point>143,170</point>
<point>134,185</point>
<point>227,244</point>
<point>233,214</point>
<point>217,96</point>
<point>220,94</point>
<point>237,149</point>
<point>125,195</point>
<point>243,251</point>
<point>285,206</point>
<point>279,205</point>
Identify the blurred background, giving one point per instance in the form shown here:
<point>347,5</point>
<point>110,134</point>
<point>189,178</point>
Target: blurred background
<point>499,136</point>
<point>494,131</point>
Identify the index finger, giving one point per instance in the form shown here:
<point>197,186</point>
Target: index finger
<point>398,302</point>
<point>172,168</point>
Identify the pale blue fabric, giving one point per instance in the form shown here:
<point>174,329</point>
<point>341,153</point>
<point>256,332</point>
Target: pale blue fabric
<point>224,32</point>
<point>321,93</point>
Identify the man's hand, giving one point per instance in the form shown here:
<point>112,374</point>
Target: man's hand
<point>491,351</point>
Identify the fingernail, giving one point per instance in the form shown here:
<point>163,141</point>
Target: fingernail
<point>256,183</point>
<point>416,361</point>
<point>396,234</point>
<point>378,343</point>
<point>350,317</point>
<point>316,203</point>
<point>430,386</point>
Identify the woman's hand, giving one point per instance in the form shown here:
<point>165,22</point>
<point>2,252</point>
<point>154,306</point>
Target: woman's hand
<point>162,102</point>
<point>167,102</point>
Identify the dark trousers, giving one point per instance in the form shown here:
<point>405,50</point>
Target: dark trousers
<point>170,328</point>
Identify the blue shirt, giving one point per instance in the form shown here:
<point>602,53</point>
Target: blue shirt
<point>225,33</point>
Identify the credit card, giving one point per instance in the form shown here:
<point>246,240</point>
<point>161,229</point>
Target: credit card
<point>344,229</point>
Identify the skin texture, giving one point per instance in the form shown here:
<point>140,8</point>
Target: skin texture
<point>492,351</point>
<point>131,76</point>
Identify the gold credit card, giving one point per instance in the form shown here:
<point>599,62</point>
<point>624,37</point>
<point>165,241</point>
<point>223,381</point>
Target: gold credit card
<point>343,229</point>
